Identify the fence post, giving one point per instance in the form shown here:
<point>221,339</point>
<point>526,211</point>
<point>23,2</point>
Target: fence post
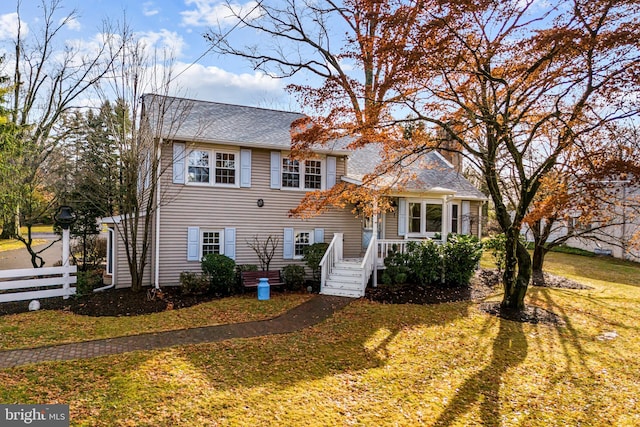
<point>65,261</point>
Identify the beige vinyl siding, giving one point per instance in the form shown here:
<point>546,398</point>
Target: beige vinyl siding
<point>215,208</point>
<point>391,225</point>
<point>121,266</point>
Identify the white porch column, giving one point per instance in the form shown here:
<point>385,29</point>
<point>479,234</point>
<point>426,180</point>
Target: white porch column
<point>445,218</point>
<point>374,237</point>
<point>480,220</point>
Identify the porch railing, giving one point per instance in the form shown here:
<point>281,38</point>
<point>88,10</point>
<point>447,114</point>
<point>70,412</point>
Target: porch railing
<point>386,246</point>
<point>331,257</point>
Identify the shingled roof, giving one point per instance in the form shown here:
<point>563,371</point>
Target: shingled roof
<point>204,121</point>
<point>213,122</point>
<point>429,172</point>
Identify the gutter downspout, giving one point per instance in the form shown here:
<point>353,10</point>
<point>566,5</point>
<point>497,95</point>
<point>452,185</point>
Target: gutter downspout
<point>157,236</point>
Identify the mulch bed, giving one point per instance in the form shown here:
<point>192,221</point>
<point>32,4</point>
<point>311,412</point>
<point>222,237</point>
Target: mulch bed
<point>484,283</point>
<point>114,302</point>
<point>124,302</point>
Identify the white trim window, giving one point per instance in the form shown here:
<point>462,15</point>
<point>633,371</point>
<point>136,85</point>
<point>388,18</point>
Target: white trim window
<point>225,170</point>
<point>303,175</point>
<point>424,217</point>
<point>225,167</point>
<point>211,242</point>
<point>302,240</point>
<point>290,173</point>
<point>111,235</point>
<point>455,218</point>
<point>198,167</point>
<point>312,175</point>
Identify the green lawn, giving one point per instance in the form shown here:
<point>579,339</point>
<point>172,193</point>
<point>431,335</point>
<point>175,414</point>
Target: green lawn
<point>375,364</point>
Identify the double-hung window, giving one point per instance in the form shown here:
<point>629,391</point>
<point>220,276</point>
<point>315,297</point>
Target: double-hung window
<point>212,242</point>
<point>290,173</point>
<point>302,241</point>
<point>304,175</point>
<point>312,175</point>
<point>225,168</point>
<point>199,166</point>
<point>224,164</point>
<point>424,217</point>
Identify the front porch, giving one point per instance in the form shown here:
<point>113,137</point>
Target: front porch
<point>349,276</point>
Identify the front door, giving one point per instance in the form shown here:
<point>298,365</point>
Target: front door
<point>367,230</point>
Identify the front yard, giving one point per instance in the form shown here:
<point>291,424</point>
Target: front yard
<point>371,364</point>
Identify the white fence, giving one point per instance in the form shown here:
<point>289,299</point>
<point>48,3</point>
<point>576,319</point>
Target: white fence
<point>59,279</point>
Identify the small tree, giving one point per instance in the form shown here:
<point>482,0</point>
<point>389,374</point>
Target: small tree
<point>312,256</point>
<point>264,249</point>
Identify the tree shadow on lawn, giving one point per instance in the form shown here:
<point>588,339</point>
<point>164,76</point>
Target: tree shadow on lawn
<point>509,350</point>
<point>354,339</point>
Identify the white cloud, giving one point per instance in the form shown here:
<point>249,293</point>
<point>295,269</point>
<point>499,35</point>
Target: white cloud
<point>148,9</point>
<point>163,40</point>
<point>72,24</point>
<point>9,26</point>
<point>213,13</point>
<point>215,84</point>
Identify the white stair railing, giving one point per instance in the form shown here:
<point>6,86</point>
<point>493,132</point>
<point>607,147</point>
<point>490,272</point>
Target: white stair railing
<point>368,263</point>
<point>330,258</point>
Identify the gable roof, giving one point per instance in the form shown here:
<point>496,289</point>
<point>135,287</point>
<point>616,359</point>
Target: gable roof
<point>430,172</point>
<point>192,120</point>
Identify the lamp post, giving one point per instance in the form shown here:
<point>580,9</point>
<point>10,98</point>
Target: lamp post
<point>64,218</point>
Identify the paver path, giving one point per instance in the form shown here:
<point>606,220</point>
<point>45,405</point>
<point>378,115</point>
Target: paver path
<point>309,313</point>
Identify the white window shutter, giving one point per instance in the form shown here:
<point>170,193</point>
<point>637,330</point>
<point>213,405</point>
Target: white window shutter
<point>275,169</point>
<point>179,159</point>
<point>193,244</point>
<point>230,242</point>
<point>287,243</point>
<point>331,171</point>
<point>245,168</point>
<point>402,217</point>
<point>318,235</point>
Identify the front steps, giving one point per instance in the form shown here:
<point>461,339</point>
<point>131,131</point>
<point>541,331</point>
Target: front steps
<point>345,280</point>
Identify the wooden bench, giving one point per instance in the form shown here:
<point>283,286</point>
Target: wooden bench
<point>250,279</point>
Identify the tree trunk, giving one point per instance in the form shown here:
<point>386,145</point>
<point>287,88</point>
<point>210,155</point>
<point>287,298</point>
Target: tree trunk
<point>539,253</point>
<point>517,273</point>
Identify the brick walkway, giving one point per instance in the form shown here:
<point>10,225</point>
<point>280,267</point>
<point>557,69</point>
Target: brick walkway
<point>309,313</point>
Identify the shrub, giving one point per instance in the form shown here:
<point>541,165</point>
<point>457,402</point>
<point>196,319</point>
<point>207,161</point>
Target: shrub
<point>293,276</point>
<point>87,281</point>
<point>221,272</point>
<point>312,256</point>
<point>461,255</point>
<point>425,261</point>
<point>193,283</point>
<point>397,270</point>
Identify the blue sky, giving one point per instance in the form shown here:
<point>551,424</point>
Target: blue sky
<point>178,24</point>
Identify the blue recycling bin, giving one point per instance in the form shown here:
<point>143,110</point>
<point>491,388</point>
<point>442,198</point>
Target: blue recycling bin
<point>263,288</point>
